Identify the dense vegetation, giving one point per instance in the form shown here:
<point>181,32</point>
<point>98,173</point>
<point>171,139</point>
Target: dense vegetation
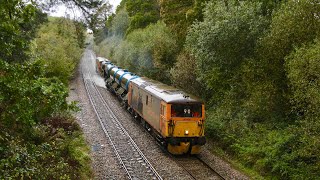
<point>254,63</point>
<point>39,139</point>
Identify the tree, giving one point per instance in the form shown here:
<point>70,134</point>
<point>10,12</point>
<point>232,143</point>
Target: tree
<point>174,14</point>
<point>303,71</point>
<point>180,14</point>
<point>148,52</point>
<point>184,75</point>
<point>57,45</point>
<point>223,41</point>
<point>296,23</point>
<point>92,10</point>
<point>142,13</point>
<point>18,24</point>
<point>100,17</point>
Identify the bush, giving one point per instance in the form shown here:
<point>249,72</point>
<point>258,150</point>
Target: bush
<point>27,96</point>
<point>303,69</point>
<point>58,46</point>
<point>184,75</point>
<point>223,41</point>
<point>53,153</point>
<point>265,108</point>
<point>39,138</point>
<point>151,49</point>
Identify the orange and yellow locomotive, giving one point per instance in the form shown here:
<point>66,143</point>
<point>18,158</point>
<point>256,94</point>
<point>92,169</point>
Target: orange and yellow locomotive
<point>174,118</point>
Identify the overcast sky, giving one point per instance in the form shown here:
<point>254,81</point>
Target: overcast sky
<point>62,10</point>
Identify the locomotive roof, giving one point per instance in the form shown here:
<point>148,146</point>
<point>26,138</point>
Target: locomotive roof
<point>167,93</point>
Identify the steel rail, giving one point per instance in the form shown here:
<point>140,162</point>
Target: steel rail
<point>105,131</point>
<point>196,158</point>
<point>209,167</point>
<point>124,130</point>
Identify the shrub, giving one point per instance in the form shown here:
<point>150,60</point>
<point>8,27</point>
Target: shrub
<point>27,96</point>
<point>53,153</point>
<point>184,75</point>
<point>39,139</point>
<point>35,142</point>
<point>152,49</point>
<point>58,46</point>
<point>223,41</point>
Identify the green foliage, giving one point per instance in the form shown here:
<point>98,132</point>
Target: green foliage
<point>142,13</point>
<point>303,70</point>
<point>107,42</point>
<point>36,143</point>
<point>292,26</point>
<point>173,13</point>
<point>39,139</point>
<point>79,32</point>
<point>180,14</point>
<point>57,44</point>
<point>221,43</point>
<point>269,6</point>
<point>57,151</point>
<point>99,18</point>
<point>18,24</point>
<point>268,116</point>
<point>108,47</point>
<point>27,96</point>
<point>184,75</point>
<point>152,49</point>
<point>120,23</point>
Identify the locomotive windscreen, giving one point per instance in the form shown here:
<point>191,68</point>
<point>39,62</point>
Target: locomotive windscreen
<point>186,110</point>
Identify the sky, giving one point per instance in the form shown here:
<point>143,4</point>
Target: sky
<point>62,10</point>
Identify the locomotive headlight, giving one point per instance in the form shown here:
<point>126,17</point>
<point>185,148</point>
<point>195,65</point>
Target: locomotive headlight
<point>186,132</point>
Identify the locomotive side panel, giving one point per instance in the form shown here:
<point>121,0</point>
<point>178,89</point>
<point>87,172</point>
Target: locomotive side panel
<point>144,103</point>
<point>135,99</point>
<point>151,111</point>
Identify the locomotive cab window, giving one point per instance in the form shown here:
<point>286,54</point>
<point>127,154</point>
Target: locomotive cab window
<point>186,110</point>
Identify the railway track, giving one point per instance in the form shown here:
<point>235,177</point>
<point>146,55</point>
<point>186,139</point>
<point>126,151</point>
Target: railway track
<point>197,168</point>
<point>128,153</point>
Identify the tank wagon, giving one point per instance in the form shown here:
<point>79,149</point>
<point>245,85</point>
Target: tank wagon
<point>174,118</point>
